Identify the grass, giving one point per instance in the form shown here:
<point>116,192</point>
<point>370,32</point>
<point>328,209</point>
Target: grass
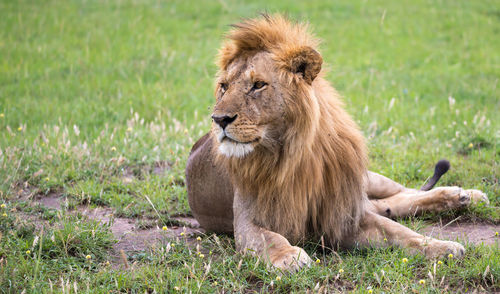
<point>100,102</point>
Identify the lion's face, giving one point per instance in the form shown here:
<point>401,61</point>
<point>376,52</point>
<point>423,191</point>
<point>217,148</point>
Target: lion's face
<point>250,108</point>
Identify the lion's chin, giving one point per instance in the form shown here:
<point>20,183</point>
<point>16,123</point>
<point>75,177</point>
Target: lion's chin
<point>231,148</point>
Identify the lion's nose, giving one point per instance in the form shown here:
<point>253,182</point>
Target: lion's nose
<point>223,121</point>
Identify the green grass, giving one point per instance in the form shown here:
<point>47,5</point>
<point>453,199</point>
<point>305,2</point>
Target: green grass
<point>95,92</point>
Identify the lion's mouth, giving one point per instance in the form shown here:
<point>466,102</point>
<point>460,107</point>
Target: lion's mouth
<point>229,139</point>
<point>223,136</point>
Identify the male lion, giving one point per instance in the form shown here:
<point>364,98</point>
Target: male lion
<point>284,162</point>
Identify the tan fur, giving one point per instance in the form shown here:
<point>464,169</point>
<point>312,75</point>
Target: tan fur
<point>289,162</point>
<point>322,161</point>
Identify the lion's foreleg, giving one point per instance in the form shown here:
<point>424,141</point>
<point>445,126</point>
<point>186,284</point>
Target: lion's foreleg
<point>379,231</point>
<point>415,202</point>
<point>264,243</point>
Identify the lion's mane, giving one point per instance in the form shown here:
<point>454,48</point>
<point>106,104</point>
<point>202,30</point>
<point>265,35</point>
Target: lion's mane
<point>312,184</point>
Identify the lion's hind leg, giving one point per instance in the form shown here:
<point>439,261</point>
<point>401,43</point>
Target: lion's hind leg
<point>410,203</point>
<point>379,231</point>
<point>380,187</point>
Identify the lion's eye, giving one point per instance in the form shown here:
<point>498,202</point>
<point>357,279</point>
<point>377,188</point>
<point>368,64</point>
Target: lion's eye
<point>259,85</point>
<point>223,87</point>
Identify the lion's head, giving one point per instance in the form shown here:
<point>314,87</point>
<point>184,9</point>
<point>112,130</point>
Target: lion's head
<point>258,84</point>
<point>283,133</point>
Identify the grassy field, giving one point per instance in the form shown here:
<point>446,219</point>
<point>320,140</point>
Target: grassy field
<point>95,96</point>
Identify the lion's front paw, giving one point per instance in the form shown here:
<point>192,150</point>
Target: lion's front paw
<point>438,248</point>
<point>477,196</point>
<point>291,258</point>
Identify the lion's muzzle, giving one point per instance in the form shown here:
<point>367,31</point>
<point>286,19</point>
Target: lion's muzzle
<point>224,120</point>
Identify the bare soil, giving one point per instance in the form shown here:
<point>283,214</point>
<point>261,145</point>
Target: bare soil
<point>465,232</point>
<point>131,238</point>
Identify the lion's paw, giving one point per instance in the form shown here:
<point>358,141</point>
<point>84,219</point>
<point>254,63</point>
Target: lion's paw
<point>437,248</point>
<point>478,196</point>
<point>455,197</point>
<point>290,259</point>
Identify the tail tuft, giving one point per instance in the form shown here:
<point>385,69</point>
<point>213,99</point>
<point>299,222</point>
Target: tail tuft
<point>441,168</point>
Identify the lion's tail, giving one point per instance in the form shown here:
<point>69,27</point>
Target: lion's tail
<point>441,168</point>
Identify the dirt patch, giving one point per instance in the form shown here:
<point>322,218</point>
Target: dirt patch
<point>126,230</point>
<point>476,233</point>
<point>132,172</point>
<point>191,221</point>
<point>132,238</point>
<point>53,200</point>
<point>161,167</point>
<point>25,218</point>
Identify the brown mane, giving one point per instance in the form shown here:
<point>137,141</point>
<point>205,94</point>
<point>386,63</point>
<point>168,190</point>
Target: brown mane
<point>313,183</point>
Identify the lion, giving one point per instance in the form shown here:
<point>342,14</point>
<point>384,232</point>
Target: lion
<point>285,163</point>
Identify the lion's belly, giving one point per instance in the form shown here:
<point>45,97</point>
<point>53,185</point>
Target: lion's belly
<point>210,193</point>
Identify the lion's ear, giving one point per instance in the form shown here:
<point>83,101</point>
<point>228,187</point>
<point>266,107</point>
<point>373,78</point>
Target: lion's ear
<point>304,61</point>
